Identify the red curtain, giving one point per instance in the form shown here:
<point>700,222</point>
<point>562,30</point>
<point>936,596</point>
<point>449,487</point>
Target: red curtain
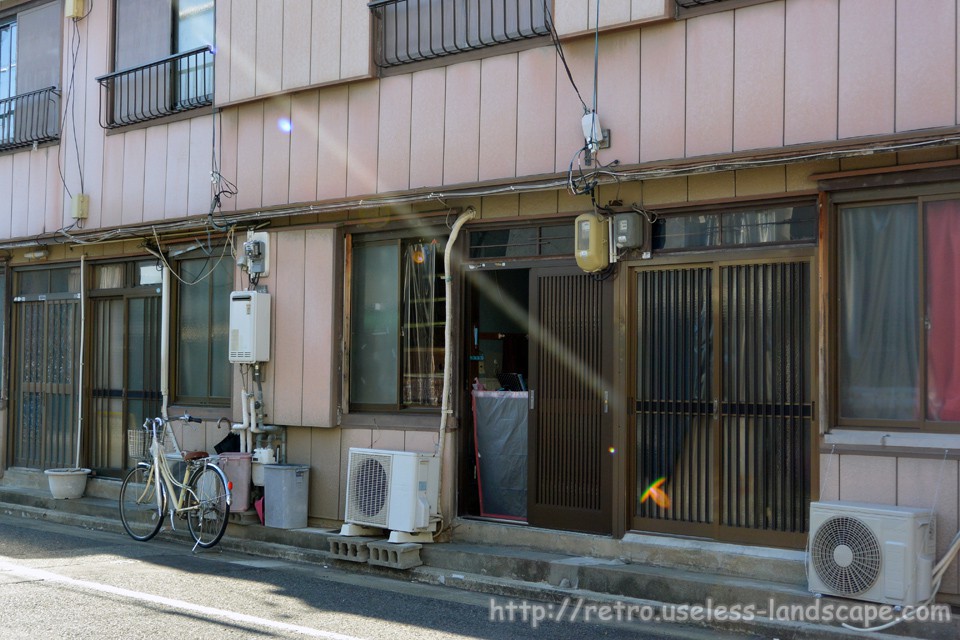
<point>943,310</point>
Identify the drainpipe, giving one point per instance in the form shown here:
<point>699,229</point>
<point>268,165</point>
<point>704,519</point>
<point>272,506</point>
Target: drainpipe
<point>445,410</point>
<point>165,341</point>
<point>83,320</point>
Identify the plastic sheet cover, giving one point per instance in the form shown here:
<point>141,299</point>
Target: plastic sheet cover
<point>500,430</point>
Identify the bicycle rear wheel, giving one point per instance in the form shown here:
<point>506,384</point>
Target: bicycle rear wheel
<point>138,504</point>
<point>209,506</point>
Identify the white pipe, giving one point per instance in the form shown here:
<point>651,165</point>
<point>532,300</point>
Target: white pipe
<point>83,320</point>
<point>165,340</point>
<point>253,421</point>
<point>445,410</point>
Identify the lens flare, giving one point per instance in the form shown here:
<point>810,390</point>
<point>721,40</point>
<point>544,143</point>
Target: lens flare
<point>658,495</point>
<point>285,125</point>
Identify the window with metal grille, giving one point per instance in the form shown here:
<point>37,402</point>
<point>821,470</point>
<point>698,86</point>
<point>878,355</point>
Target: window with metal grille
<point>163,56</point>
<point>414,30</point>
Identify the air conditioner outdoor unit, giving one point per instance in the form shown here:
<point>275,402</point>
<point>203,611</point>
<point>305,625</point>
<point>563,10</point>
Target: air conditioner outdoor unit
<point>395,490</point>
<point>872,552</point>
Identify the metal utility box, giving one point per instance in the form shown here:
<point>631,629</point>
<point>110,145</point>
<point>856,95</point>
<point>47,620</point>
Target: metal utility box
<point>591,239</point>
<point>249,327</point>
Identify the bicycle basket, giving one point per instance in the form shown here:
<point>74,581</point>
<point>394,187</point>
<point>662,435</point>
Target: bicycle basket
<point>138,443</point>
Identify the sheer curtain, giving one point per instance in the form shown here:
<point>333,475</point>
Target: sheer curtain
<point>943,309</point>
<point>879,313</point>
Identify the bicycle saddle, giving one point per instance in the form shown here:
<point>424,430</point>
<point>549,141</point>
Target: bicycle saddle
<point>194,455</point>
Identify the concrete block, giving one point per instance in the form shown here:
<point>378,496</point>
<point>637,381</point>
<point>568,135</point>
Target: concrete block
<point>350,549</point>
<point>404,555</point>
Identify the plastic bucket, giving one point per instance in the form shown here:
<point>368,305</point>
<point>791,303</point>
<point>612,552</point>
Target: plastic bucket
<point>237,468</point>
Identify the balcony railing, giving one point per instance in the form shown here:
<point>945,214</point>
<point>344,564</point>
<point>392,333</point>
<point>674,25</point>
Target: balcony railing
<point>415,30</point>
<point>30,118</point>
<point>175,84</point>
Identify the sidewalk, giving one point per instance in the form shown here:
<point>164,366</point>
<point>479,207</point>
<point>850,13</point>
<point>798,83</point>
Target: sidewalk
<point>546,574</point>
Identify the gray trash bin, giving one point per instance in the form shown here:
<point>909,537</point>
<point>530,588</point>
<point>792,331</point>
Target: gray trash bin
<point>285,495</point>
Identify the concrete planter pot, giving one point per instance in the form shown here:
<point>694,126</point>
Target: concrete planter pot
<point>67,483</point>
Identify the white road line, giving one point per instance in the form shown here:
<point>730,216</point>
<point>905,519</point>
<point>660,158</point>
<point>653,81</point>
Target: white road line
<point>179,605</point>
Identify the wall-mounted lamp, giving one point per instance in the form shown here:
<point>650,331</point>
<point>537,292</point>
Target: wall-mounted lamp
<point>39,254</point>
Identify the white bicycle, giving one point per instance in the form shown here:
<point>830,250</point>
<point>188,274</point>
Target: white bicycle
<point>151,492</point>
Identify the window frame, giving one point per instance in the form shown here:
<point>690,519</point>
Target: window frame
<point>918,197</point>
<point>401,239</point>
<point>177,396</point>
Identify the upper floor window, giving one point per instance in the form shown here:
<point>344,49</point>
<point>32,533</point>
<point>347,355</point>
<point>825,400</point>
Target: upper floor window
<point>414,30</point>
<point>29,73</point>
<point>163,56</point>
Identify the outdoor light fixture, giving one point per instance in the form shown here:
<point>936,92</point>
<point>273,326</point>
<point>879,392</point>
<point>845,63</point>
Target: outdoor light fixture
<point>39,254</point>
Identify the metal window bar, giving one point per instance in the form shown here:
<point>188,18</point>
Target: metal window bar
<point>415,30</point>
<point>30,118</point>
<point>177,83</point>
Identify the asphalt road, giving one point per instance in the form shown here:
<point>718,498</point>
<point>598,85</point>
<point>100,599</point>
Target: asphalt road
<point>59,582</point>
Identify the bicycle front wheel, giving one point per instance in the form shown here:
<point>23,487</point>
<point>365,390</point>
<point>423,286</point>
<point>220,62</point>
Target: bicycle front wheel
<point>139,511</point>
<point>209,506</point>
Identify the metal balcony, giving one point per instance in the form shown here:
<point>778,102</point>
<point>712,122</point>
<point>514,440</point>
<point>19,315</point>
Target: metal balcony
<point>414,30</point>
<point>175,84</point>
<point>30,118</point>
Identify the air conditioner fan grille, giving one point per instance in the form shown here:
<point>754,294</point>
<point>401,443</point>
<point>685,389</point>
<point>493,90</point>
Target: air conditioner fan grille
<point>369,490</point>
<point>845,554</point>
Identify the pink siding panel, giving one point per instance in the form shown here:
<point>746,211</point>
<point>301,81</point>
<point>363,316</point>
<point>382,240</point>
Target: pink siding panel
<point>243,50</point>
<point>319,294</point>
<point>618,101</point>
<point>221,61</point>
<point>393,162</point>
<point>662,91</point>
<point>758,77</point>
<point>276,151</point>
<point>6,196</point>
<point>178,169</point>
<point>926,65</point>
<point>569,134</point>
<point>95,55</point>
<point>362,138</point>
<point>250,149</point>
<point>155,174</point>
<point>297,16</point>
<point>304,112</point>
<point>810,112</point>
<point>867,40</point>
<point>355,39</point>
<point>288,359</point>
<point>134,160</point>
<point>498,118</point>
<point>332,164</point>
<point>55,218</point>
<point>325,44</point>
<point>200,191</point>
<point>709,101</point>
<point>227,133</point>
<point>269,48</point>
<point>461,143</point>
<point>20,193</point>
<point>426,148</point>
<point>112,189</point>
<point>536,111</point>
<point>37,198</point>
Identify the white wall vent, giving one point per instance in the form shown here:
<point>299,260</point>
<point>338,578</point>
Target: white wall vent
<point>872,552</point>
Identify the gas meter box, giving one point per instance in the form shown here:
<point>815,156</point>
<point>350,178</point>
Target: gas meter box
<point>249,327</point>
<point>592,242</point>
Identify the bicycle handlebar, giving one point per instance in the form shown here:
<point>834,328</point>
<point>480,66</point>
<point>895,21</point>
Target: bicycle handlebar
<point>189,418</point>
